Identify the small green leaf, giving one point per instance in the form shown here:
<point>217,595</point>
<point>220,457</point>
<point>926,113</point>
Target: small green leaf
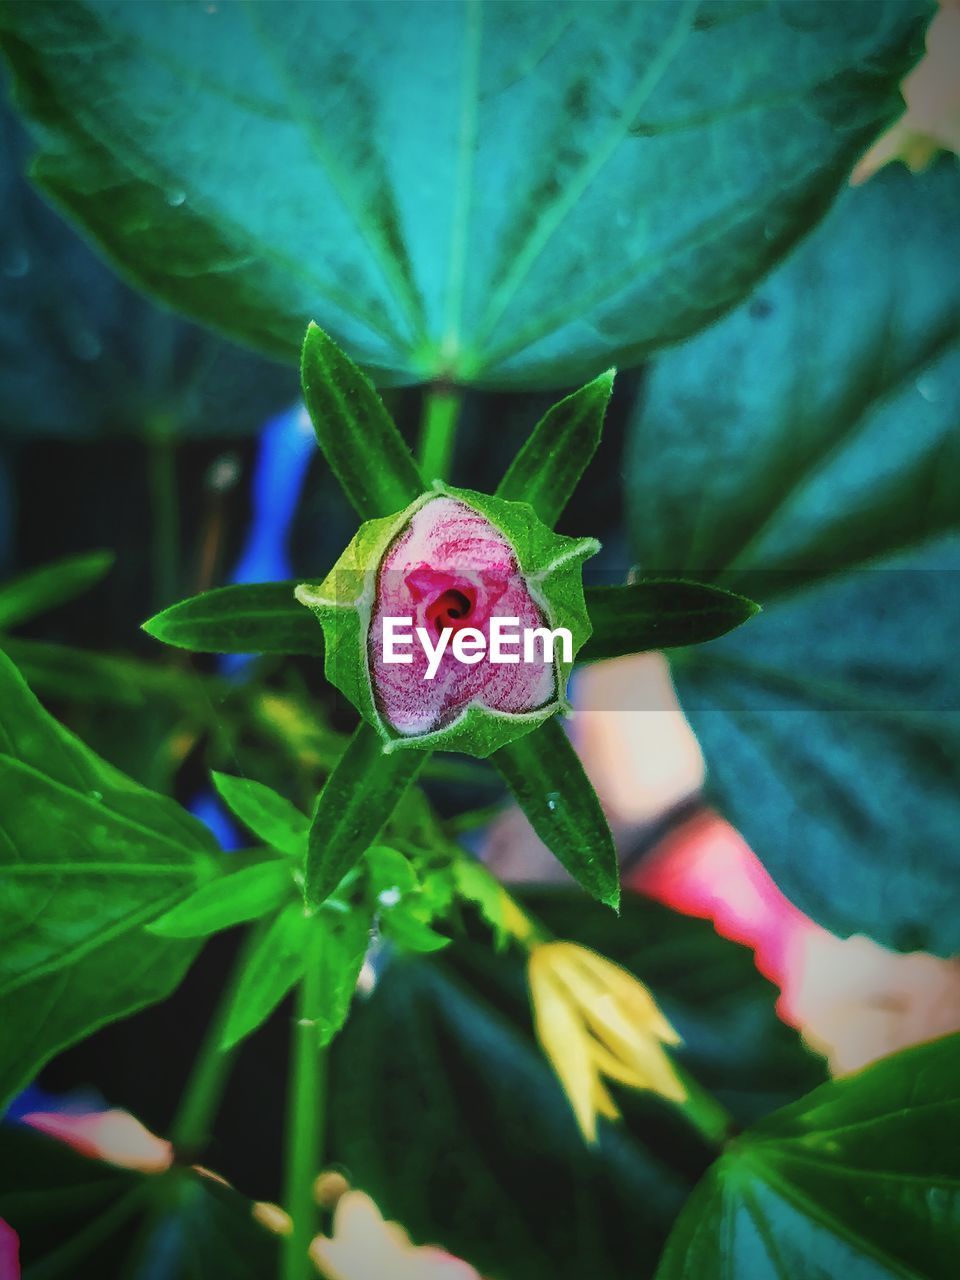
<point>270,816</point>
<point>412,934</point>
<point>31,593</point>
<point>390,871</point>
<point>546,776</point>
<point>274,965</point>
<point>256,617</point>
<point>339,950</point>
<point>353,807</point>
<point>548,467</point>
<point>660,614</point>
<point>365,450</point>
<point>860,1178</point>
<point>243,895</point>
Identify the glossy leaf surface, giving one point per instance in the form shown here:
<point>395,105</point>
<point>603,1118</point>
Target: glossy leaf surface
<point>87,857</point>
<point>805,451</point>
<point>859,1179</point>
<point>493,193</point>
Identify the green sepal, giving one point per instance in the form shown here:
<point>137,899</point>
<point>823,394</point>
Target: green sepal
<point>547,778</point>
<point>29,594</point>
<point>366,452</point>
<point>660,614</point>
<point>250,617</point>
<point>552,567</point>
<point>232,899</point>
<point>549,465</point>
<point>270,816</point>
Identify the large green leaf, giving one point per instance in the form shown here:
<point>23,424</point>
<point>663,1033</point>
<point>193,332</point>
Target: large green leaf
<point>73,1215</point>
<point>87,857</point>
<point>511,194</point>
<point>447,1112</point>
<point>82,354</point>
<point>805,451</point>
<point>860,1179</point>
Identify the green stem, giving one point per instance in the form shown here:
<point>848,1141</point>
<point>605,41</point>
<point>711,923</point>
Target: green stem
<point>438,429</point>
<point>708,1116</point>
<point>306,1098</point>
<point>211,1069</point>
<point>165,510</point>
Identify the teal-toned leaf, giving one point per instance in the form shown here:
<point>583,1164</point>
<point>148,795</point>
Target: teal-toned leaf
<point>73,1215</point>
<point>505,193</point>
<point>805,451</point>
<point>450,1117</point>
<point>861,1178</point>
<point>543,772</point>
<point>87,858</point>
<point>359,439</point>
<point>659,614</point>
<point>357,800</point>
<point>547,469</point>
<point>274,965</point>
<point>83,355</point>
<point>233,899</point>
<point>270,816</point>
<point>256,617</point>
<point>24,597</point>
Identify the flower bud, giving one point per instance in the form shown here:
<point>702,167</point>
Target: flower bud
<point>444,624</point>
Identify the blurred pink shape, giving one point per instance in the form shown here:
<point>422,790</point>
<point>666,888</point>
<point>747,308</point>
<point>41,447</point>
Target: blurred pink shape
<point>365,1247</point>
<point>114,1136</point>
<point>450,568</point>
<point>853,1000</point>
<point>9,1252</point>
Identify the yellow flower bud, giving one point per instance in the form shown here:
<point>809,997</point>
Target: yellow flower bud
<point>595,1020</point>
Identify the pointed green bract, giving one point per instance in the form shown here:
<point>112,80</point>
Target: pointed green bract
<point>233,899</point>
<point>355,804</point>
<point>22,598</point>
<point>365,450</point>
<point>545,774</point>
<point>549,465</point>
<point>273,967</point>
<point>270,816</point>
<point>552,567</point>
<point>660,614</point>
<point>256,617</point>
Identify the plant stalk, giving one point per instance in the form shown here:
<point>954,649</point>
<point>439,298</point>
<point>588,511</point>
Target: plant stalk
<point>438,429</point>
<point>306,1100</point>
<point>708,1116</point>
<point>193,1121</point>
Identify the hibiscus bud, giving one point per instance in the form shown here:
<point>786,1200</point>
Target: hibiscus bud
<point>454,623</point>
